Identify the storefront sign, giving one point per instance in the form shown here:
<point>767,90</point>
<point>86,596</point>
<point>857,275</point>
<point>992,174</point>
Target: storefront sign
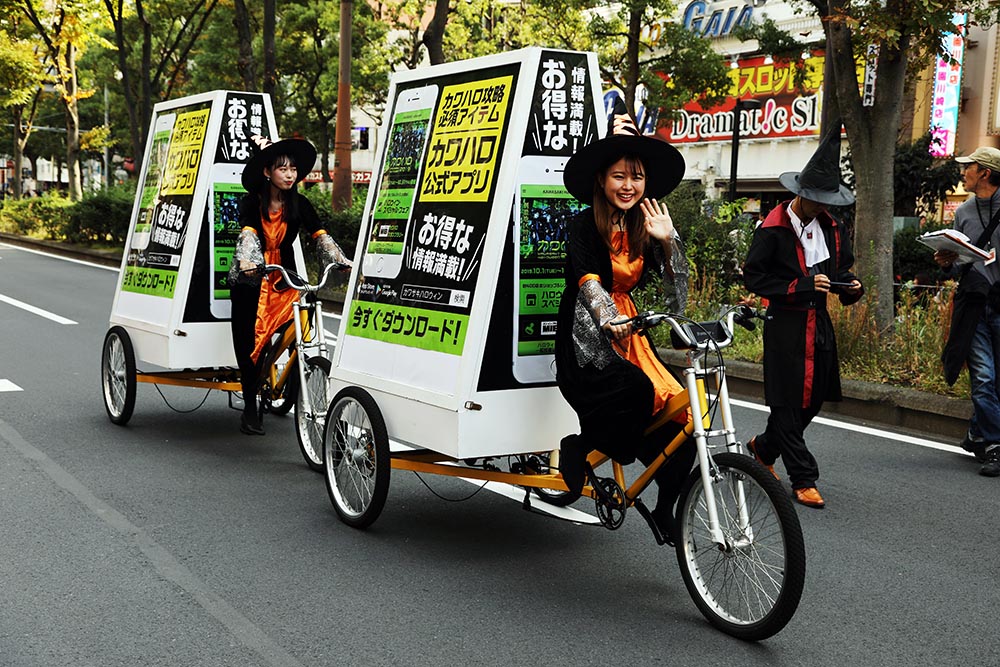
<point>784,111</point>
<point>947,91</point>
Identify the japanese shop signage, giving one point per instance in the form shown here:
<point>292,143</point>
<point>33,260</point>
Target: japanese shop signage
<point>153,253</point>
<point>947,91</point>
<point>428,218</point>
<point>785,111</point>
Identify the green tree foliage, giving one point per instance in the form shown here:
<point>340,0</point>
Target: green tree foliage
<point>920,181</point>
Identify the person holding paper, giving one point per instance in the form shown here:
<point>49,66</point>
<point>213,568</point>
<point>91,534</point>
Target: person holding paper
<point>798,256</point>
<point>974,338</point>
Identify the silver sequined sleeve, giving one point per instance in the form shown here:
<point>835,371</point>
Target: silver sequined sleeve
<point>675,281</point>
<point>329,251</point>
<point>247,248</point>
<point>594,308</point>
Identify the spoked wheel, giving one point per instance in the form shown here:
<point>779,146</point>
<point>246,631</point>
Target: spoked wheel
<point>310,411</point>
<point>540,464</point>
<point>356,456</point>
<point>118,376</point>
<point>750,586</point>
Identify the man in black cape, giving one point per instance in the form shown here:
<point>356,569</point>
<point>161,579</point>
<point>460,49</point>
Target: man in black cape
<point>798,256</point>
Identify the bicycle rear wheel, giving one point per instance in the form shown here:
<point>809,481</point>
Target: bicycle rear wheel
<point>356,457</point>
<point>118,376</point>
<point>750,586</point>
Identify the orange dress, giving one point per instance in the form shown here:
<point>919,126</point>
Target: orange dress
<point>626,271</point>
<point>274,308</point>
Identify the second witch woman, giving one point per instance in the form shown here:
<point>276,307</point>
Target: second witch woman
<point>271,216</point>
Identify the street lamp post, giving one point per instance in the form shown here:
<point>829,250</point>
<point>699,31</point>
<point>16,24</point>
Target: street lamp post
<point>740,106</point>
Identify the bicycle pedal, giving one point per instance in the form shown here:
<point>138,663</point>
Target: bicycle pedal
<point>648,516</point>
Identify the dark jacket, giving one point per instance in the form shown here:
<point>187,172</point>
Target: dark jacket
<point>800,350</point>
<point>967,308</point>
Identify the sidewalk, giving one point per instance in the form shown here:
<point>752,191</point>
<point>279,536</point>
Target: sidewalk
<point>893,408</point>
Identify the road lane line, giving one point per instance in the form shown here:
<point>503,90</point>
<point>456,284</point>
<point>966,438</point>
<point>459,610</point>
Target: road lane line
<point>7,385</point>
<point>171,569</point>
<point>59,319</point>
<point>55,256</point>
<point>866,430</point>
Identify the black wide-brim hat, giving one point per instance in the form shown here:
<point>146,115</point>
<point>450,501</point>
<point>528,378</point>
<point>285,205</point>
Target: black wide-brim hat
<point>663,163</point>
<point>819,181</point>
<point>302,153</point>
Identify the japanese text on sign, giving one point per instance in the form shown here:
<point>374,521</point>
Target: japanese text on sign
<point>562,105</point>
<point>243,120</point>
<point>412,327</point>
<point>442,245</point>
<point>184,156</point>
<point>466,141</point>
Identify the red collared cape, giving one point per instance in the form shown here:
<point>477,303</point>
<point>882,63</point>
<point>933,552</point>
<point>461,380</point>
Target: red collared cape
<point>800,350</point>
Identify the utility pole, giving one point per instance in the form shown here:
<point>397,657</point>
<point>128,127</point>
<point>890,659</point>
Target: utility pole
<point>341,197</point>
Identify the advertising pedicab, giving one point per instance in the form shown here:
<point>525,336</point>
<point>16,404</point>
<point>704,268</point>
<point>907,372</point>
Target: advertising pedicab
<point>171,309</point>
<point>444,360</point>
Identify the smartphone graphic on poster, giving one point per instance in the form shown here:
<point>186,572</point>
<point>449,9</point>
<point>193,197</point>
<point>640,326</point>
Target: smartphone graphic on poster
<point>150,194</point>
<point>400,177</point>
<point>223,230</point>
<point>542,211</point>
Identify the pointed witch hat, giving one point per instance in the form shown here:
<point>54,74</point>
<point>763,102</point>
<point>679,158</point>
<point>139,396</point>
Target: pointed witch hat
<point>664,164</point>
<point>820,180</point>
<point>263,152</point>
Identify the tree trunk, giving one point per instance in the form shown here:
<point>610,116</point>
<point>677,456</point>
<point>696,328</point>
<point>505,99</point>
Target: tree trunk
<point>270,76</point>
<point>19,141</point>
<point>872,132</point>
<point>341,196</point>
<point>72,125</point>
<point>632,56</point>
<point>245,63</point>
<point>433,38</point>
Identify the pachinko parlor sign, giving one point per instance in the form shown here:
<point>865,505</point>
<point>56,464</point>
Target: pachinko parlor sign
<point>785,110</point>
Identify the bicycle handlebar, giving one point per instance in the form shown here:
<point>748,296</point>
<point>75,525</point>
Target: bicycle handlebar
<point>296,281</point>
<point>698,335</point>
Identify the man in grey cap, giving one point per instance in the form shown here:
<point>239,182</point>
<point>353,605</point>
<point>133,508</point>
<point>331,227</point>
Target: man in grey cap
<point>975,325</point>
<point>798,256</point>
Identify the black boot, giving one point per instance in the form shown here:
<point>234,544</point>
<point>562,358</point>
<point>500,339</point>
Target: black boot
<point>572,462</point>
<point>250,420</point>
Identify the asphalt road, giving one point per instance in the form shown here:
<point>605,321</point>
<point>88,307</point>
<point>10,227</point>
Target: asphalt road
<point>178,541</point>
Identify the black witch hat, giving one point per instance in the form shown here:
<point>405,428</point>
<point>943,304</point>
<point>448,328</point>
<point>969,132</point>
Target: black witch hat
<point>302,153</point>
<point>820,180</point>
<point>664,164</point>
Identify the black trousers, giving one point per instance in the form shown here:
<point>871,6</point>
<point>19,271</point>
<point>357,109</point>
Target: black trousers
<point>785,438</point>
<point>243,324</point>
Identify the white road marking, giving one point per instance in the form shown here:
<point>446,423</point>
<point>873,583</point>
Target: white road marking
<point>59,319</point>
<point>65,259</point>
<point>867,430</point>
<point>7,385</point>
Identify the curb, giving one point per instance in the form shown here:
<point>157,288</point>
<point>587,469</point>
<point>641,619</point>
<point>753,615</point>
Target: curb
<point>922,413</point>
<point>898,408</point>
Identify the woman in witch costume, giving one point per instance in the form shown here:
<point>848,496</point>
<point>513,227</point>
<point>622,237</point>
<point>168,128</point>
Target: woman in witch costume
<point>271,215</point>
<point>610,375</point>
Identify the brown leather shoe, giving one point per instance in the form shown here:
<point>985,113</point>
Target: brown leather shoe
<point>752,446</point>
<point>809,497</point>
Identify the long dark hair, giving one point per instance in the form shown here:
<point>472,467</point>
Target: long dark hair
<point>289,200</point>
<point>607,216</point>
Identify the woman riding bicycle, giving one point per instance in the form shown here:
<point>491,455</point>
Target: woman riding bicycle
<point>608,373</point>
<point>271,215</point>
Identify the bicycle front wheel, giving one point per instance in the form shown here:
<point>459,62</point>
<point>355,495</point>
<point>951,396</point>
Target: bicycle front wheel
<point>310,411</point>
<point>750,586</point>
